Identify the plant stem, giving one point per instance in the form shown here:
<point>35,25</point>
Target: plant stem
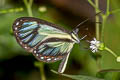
<point>97,26</point>
<point>104,17</point>
<point>103,27</point>
<point>97,20</point>
<point>42,71</point>
<point>30,2</point>
<point>114,11</point>
<point>98,63</point>
<point>41,68</point>
<point>29,7</point>
<point>94,6</point>
<point>11,10</point>
<point>108,7</point>
<point>109,50</point>
<point>97,29</point>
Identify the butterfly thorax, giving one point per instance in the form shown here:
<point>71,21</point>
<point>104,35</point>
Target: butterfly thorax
<point>75,38</point>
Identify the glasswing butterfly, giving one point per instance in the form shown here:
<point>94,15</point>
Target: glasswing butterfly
<point>46,41</point>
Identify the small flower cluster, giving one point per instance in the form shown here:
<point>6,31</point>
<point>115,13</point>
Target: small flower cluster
<point>94,45</point>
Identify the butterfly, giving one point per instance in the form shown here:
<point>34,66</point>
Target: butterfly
<point>46,41</point>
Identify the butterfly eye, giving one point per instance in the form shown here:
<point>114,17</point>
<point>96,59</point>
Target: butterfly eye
<point>76,31</point>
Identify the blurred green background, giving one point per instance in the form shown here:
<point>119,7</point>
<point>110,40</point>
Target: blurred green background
<point>17,64</point>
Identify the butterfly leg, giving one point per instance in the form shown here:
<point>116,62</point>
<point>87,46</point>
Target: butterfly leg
<point>63,64</point>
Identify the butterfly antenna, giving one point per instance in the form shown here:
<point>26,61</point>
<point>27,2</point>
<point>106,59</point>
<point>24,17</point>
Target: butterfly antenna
<point>77,27</point>
<point>81,23</point>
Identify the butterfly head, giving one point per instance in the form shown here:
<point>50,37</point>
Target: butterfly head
<point>75,37</point>
<point>74,33</point>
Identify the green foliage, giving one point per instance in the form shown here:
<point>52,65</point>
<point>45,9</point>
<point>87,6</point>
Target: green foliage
<point>109,74</point>
<point>77,77</point>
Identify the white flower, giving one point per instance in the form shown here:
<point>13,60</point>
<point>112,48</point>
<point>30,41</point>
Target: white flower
<point>94,45</point>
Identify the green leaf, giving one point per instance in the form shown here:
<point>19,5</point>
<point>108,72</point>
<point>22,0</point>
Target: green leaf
<point>78,77</point>
<point>109,74</point>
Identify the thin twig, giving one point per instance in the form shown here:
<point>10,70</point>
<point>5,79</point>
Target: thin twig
<point>97,20</point>
<point>29,7</point>
<point>109,50</point>
<point>41,68</point>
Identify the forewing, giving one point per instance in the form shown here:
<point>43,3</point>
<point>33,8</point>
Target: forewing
<point>31,34</point>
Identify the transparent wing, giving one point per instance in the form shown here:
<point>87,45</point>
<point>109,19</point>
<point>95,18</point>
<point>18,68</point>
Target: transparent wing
<point>45,40</point>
